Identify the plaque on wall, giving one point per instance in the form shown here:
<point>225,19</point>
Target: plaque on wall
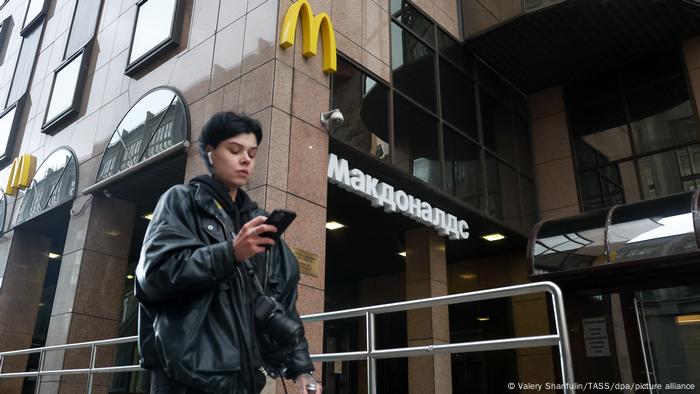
<point>595,336</point>
<point>308,262</point>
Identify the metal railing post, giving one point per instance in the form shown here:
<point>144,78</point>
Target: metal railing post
<point>40,368</point>
<point>93,352</point>
<point>567,370</point>
<point>371,361</point>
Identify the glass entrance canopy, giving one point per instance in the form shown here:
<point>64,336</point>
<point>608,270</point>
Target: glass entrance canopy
<point>646,230</point>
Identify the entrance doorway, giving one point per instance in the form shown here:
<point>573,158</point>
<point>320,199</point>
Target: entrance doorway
<point>669,325</point>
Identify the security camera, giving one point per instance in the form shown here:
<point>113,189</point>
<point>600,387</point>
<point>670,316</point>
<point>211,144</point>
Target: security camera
<point>332,118</point>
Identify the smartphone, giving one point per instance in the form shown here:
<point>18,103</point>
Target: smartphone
<point>281,219</point>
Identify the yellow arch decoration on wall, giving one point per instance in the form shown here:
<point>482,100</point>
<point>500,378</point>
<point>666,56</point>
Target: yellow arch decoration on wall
<point>311,26</point>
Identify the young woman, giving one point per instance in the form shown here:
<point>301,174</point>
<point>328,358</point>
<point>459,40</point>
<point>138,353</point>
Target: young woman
<point>197,326</point>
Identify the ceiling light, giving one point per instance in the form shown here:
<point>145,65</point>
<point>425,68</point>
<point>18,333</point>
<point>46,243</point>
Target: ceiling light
<point>484,318</point>
<point>130,277</point>
<point>688,319</point>
<point>54,255</point>
<point>148,216</point>
<point>467,276</point>
<point>403,254</point>
<point>493,237</point>
<point>334,226</point>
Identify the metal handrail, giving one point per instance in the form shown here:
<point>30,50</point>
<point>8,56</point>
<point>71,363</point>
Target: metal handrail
<point>560,339</point>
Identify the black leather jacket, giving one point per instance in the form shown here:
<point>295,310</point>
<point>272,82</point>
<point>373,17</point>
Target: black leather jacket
<point>186,278</point>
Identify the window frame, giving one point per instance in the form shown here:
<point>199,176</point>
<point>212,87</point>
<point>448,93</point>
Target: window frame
<point>7,155</point>
<point>471,70</point>
<point>30,25</point>
<point>49,125</point>
<point>31,71</point>
<point>635,157</point>
<point>90,41</point>
<point>4,37</point>
<point>170,42</point>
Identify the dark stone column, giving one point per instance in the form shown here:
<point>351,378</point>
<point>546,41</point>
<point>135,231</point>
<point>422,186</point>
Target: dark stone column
<point>90,288</point>
<point>25,256</point>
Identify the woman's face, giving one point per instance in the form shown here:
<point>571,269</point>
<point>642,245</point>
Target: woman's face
<point>234,159</point>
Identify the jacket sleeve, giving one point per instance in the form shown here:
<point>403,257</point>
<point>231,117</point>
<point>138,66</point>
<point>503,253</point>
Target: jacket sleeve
<point>299,360</point>
<point>174,261</point>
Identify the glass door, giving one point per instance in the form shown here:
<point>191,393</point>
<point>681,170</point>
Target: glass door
<point>669,326</point>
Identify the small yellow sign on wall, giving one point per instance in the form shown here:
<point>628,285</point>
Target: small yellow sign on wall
<point>308,262</point>
<point>21,173</point>
<point>311,26</point>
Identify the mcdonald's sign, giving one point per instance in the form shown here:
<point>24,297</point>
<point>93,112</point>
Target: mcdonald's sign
<point>311,26</point>
<point>21,173</point>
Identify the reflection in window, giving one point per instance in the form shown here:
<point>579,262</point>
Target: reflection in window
<point>364,104</point>
<point>662,115</point>
<point>83,25</point>
<point>652,228</point>
<point>7,121</point>
<point>410,17</point>
<point>463,167</point>
<point>458,100</point>
<point>670,172</point>
<point>34,12</point>
<point>502,192</point>
<point>54,183</point>
<point>5,29</point>
<point>155,123</point>
<point>413,66</point>
<point>617,117</point>
<point>454,51</point>
<point>25,65</point>
<point>156,28</point>
<point>416,142</point>
<point>63,93</point>
<point>565,244</point>
<point>498,128</point>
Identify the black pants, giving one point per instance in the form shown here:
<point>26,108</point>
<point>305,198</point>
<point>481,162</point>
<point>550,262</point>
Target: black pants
<point>162,384</point>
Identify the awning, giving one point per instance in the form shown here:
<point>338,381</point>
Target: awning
<point>641,234</point>
<point>576,39</point>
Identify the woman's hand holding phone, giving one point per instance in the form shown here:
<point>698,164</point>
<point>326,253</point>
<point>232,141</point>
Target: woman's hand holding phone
<point>250,240</point>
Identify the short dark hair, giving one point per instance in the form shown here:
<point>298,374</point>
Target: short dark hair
<point>224,125</point>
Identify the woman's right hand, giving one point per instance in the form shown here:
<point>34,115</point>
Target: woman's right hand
<point>248,242</point>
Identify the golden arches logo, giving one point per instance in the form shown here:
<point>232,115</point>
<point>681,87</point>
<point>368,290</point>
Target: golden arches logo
<point>311,26</point>
<point>21,173</point>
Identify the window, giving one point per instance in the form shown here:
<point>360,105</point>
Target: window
<point>464,169</point>
<point>35,14</point>
<point>65,92</point>
<point>157,29</point>
<point>8,125</point>
<point>417,149</point>
<point>86,14</point>
<point>69,77</point>
<point>439,119</point>
<point>158,121</point>
<point>634,134</point>
<point>365,105</point>
<point>413,67</point>
<point>53,184</point>
<point>5,29</point>
<point>25,66</point>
